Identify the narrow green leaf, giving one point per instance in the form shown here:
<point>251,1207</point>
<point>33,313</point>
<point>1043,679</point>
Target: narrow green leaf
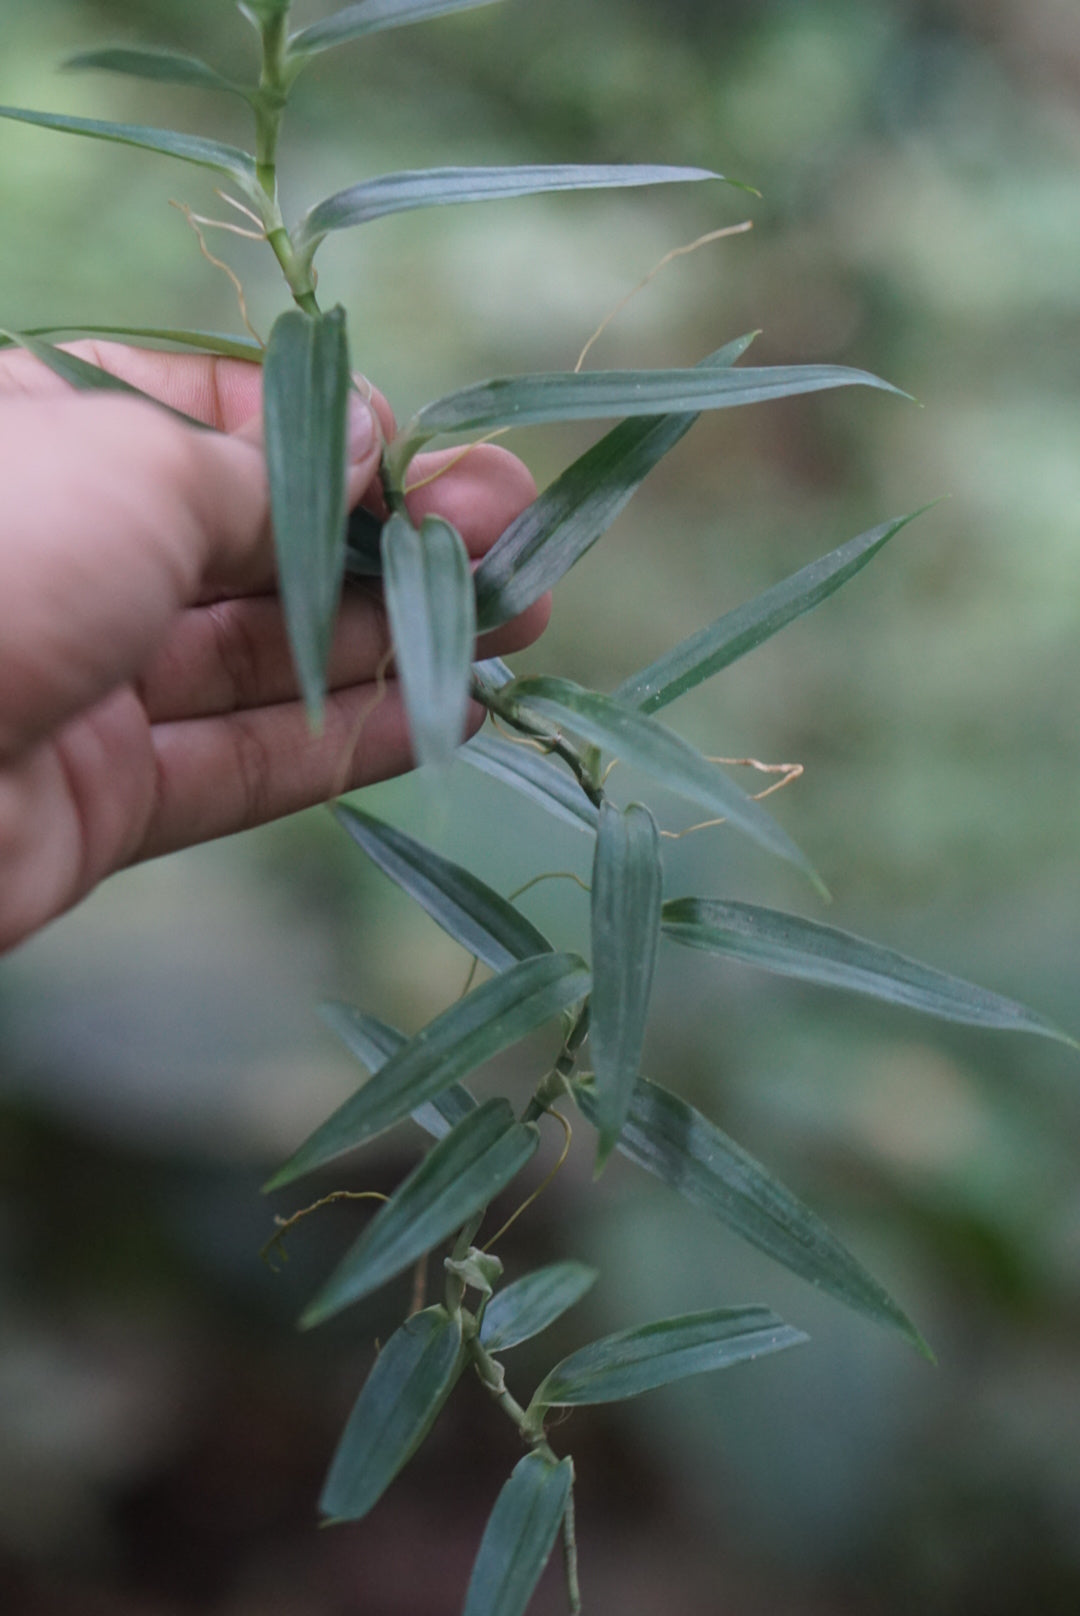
<point>306,404</point>
<point>476,917</point>
<point>592,394</point>
<point>403,1396</point>
<point>635,1361</point>
<point>203,342</point>
<point>747,627</point>
<point>85,377</point>
<point>164,66</point>
<point>645,744</point>
<point>627,891</point>
<point>519,1536</point>
<point>494,672</point>
<point>491,1018</point>
<point>373,1043</point>
<point>235,164</point>
<point>369,17</point>
<point>791,946</point>
<point>547,539</point>
<point>531,1304</point>
<point>669,1138</point>
<point>457,1177</point>
<point>427,583</point>
<point>442,187</point>
<point>535,776</point>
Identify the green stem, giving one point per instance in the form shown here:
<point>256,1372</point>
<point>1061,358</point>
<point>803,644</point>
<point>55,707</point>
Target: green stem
<point>495,701</point>
<point>269,102</point>
<point>570,1560</point>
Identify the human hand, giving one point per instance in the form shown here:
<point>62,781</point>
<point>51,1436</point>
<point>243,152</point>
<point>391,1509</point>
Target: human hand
<point>147,695</point>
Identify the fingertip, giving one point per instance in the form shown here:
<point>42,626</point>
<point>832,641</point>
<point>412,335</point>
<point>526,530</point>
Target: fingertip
<point>479,490</point>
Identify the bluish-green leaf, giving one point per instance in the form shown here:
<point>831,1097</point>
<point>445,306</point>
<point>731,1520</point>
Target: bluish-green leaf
<point>476,917</point>
<point>741,630</point>
<point>531,1304</point>
<point>519,1536</point>
<point>493,672</point>
<point>645,744</point>
<point>373,1043</point>
<point>442,187</point>
<point>163,66</point>
<point>535,776</point>
<point>306,383</point>
<point>491,1018</point>
<point>791,946</point>
<point>668,1137</point>
<point>627,891</point>
<point>457,1177</point>
<point>427,584</point>
<point>369,17</point>
<point>85,377</point>
<point>635,1361</point>
<point>235,164</point>
<point>202,342</point>
<point>413,1376</point>
<point>565,521</point>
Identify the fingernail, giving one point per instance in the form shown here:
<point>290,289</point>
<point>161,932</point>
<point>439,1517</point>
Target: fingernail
<point>361,428</point>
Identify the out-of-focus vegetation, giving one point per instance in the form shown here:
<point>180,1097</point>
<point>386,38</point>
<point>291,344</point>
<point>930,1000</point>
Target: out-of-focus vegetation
<point>163,1430</point>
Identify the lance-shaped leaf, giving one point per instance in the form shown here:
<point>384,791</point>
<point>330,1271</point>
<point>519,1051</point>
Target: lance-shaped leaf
<point>306,404</point>
<point>494,672</point>
<point>442,187</point>
<point>747,627</point>
<point>645,744</point>
<point>427,583</point>
<point>476,917</point>
<point>491,1018</point>
<point>85,377</point>
<point>635,1361</point>
<point>368,18</point>
<point>531,1304</point>
<point>413,1376</point>
<point>204,342</point>
<point>565,521</point>
<point>519,1536</point>
<point>235,164</point>
<point>592,394</point>
<point>457,1177</point>
<point>791,946</point>
<point>534,776</point>
<point>163,66</point>
<point>373,1043</point>
<point>668,1137</point>
<point>627,892</point>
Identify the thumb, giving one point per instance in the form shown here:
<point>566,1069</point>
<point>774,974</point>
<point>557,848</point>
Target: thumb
<point>364,444</point>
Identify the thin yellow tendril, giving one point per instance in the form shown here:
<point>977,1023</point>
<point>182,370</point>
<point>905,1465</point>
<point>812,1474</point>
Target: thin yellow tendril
<point>676,252</point>
<point>464,453</point>
<point>606,776</point>
<point>218,263</point>
<point>549,875</point>
<point>349,750</point>
<point>277,1239</point>
<point>226,224</point>
<point>240,208</point>
<point>419,1288</point>
<point>548,1181</point>
<point>543,747</point>
<point>473,968</point>
<point>790,771</point>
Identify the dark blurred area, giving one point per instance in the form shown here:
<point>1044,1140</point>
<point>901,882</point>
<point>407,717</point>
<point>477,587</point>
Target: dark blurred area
<point>164,1429</point>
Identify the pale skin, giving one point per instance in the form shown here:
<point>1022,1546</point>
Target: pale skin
<point>147,699</point>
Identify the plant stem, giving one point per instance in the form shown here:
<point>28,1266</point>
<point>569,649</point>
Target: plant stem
<point>269,102</point>
<point>570,1560</point>
<point>495,702</point>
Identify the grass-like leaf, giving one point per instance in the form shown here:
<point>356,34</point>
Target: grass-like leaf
<point>627,892</point>
<point>669,1138</point>
<point>427,583</point>
<point>635,1361</point>
<point>495,1015</point>
<point>85,377</point>
<point>534,776</point>
<point>306,403</point>
<point>163,66</point>
<point>531,1304</point>
<point>442,187</point>
<point>476,917</point>
<point>645,744</point>
<point>369,17</point>
<point>202,342</point>
<point>519,1536</point>
<point>457,1177</point>
<point>413,1376</point>
<point>373,1042</point>
<point>235,164</point>
<point>547,539</point>
<point>749,626</point>
<point>790,946</point>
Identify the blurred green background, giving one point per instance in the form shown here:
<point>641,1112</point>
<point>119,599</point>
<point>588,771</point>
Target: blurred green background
<point>163,1430</point>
